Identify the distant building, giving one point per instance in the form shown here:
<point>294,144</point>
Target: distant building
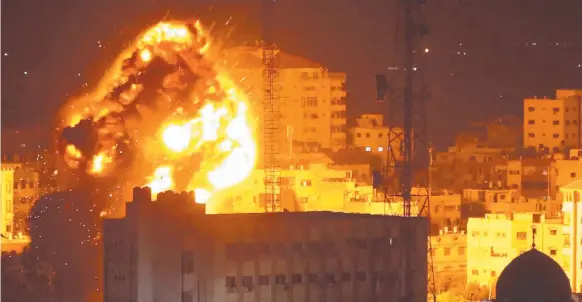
<point>169,250</point>
<point>312,99</point>
<point>7,206</point>
<point>449,258</point>
<point>493,241</point>
<point>371,135</point>
<point>551,125</point>
<point>506,201</point>
<point>572,211</point>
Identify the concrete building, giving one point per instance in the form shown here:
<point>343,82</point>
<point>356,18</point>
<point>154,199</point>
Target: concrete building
<point>26,193</point>
<point>572,209</point>
<point>312,99</point>
<point>7,206</point>
<point>449,258</point>
<point>371,135</point>
<point>169,250</point>
<point>477,202</point>
<point>496,239</point>
<point>553,124</point>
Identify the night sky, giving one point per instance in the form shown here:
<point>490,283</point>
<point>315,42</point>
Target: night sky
<point>485,55</point>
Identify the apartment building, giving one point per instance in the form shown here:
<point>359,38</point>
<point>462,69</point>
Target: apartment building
<point>553,124</point>
<point>312,100</point>
<point>7,195</point>
<point>169,250</point>
<point>495,240</point>
<point>572,226</point>
<point>449,258</point>
<point>371,135</point>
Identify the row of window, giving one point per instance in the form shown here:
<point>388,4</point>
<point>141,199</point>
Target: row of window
<point>340,101</point>
<point>554,122</point>
<point>447,251</point>
<point>555,110</point>
<point>248,282</point>
<point>367,134</point>
<point>235,249</point>
<point>519,235</point>
<point>310,101</point>
<point>555,135</point>
<point>338,128</point>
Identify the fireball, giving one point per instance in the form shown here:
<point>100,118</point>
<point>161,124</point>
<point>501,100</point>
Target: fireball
<point>166,115</point>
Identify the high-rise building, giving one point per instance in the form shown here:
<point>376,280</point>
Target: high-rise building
<point>169,250</point>
<point>553,124</point>
<point>312,99</point>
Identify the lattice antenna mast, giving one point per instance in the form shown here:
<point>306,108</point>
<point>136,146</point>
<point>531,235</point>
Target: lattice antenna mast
<point>271,113</point>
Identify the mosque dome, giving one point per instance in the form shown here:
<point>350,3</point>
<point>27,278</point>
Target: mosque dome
<point>535,277</point>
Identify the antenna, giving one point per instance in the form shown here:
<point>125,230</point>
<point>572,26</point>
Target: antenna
<point>271,113</point>
<point>408,161</point>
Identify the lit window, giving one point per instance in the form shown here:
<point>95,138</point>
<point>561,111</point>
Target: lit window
<point>380,149</point>
<point>368,149</point>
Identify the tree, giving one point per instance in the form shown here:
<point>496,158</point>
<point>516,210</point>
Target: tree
<point>476,292</point>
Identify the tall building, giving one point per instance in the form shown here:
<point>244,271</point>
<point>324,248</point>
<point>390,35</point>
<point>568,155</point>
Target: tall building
<point>553,124</point>
<point>169,250</point>
<point>312,99</point>
<point>449,258</point>
<point>7,206</point>
<point>572,208</point>
<point>371,135</point>
<point>496,239</point>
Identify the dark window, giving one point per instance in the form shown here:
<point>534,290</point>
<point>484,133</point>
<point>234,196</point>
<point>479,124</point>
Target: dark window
<point>312,278</point>
<point>264,280</point>
<point>361,276</point>
<point>247,281</point>
<point>230,282</point>
<point>329,278</point>
<point>280,279</point>
<point>346,276</point>
<point>296,278</point>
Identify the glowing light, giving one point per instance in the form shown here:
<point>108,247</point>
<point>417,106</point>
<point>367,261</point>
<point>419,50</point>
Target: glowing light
<point>146,55</point>
<point>161,181</point>
<point>177,138</point>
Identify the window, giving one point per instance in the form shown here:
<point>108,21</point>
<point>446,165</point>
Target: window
<point>309,101</point>
<point>555,122</point>
<point>531,109</point>
<point>447,251</point>
<point>358,134</point>
<point>368,149</point>
<point>309,88</point>
<point>247,281</point>
<point>553,232</point>
<point>367,134</point>
<point>329,278</point>
<point>280,279</point>
<point>522,235</point>
<point>187,262</point>
<point>312,278</point>
<point>346,277</point>
<point>230,282</point>
<point>475,272</point>
<point>556,110</point>
<point>573,174</point>
<point>264,280</point>
<point>566,240</point>
<point>461,251</point>
<point>531,134</point>
<point>556,135</point>
<point>531,122</point>
<point>493,273</point>
<point>296,278</point>
<point>361,276</point>
<point>553,252</point>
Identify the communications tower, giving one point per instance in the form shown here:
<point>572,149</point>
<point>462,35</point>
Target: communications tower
<point>407,171</point>
<point>271,113</point>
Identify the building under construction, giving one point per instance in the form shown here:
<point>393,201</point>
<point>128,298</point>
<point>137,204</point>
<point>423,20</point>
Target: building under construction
<point>170,250</point>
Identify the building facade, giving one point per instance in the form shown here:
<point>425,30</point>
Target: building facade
<point>312,99</point>
<point>553,124</point>
<point>7,207</point>
<point>371,135</point>
<point>167,250</point>
<point>496,239</point>
<point>449,259</point>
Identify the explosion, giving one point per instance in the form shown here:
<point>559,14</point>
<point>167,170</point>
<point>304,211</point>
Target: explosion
<point>166,115</point>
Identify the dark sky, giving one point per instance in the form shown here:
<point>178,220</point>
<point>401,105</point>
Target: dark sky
<point>479,65</point>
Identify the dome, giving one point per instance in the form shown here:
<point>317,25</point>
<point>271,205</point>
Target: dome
<point>533,276</point>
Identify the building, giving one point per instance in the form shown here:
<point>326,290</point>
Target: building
<point>550,125</point>
<point>169,250</point>
<point>26,193</point>
<point>7,207</point>
<point>572,238</point>
<point>449,259</point>
<point>312,99</point>
<point>371,135</point>
<point>496,239</point>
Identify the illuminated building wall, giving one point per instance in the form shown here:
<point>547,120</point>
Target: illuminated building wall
<point>26,193</point>
<point>167,249</point>
<point>371,135</point>
<point>312,99</point>
<point>449,258</point>
<point>313,188</point>
<point>553,123</point>
<point>496,239</point>
<point>7,207</point>
<point>572,209</point>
